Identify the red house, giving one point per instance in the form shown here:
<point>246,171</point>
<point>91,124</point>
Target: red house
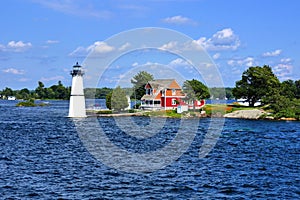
<point>165,94</point>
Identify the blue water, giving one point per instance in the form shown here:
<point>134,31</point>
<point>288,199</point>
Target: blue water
<point>43,157</point>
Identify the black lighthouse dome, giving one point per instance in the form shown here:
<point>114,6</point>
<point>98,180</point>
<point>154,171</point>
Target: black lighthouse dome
<point>77,70</point>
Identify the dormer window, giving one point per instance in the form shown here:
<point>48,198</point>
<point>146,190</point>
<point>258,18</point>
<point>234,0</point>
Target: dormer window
<point>148,91</point>
<point>173,92</point>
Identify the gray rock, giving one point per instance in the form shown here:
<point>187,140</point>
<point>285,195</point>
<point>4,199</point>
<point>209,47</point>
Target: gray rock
<point>245,114</point>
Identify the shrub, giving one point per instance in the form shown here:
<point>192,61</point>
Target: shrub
<point>104,112</point>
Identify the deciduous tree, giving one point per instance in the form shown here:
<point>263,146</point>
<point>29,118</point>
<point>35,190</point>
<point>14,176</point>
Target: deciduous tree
<point>257,83</point>
<point>195,90</point>
<point>117,100</point>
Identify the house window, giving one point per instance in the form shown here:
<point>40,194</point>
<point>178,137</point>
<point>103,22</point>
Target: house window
<point>174,102</point>
<point>173,92</point>
<point>163,93</point>
<point>149,91</point>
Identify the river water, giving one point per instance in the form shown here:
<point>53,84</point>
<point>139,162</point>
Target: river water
<point>43,156</point>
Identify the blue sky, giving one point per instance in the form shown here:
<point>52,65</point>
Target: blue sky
<point>40,40</point>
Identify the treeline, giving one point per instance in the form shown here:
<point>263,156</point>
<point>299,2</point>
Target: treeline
<point>261,84</point>
<point>221,93</point>
<point>97,93</point>
<point>58,91</point>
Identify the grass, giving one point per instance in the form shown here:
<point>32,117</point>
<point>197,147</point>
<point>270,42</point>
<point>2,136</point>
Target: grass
<point>163,113</point>
<point>29,103</point>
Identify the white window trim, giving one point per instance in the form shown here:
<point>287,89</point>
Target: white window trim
<point>174,102</point>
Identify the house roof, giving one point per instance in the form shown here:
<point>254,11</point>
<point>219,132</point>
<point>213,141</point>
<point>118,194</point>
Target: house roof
<point>164,83</point>
<point>159,85</point>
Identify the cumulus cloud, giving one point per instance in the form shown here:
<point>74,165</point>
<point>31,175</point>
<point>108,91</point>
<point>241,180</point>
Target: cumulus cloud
<point>179,20</point>
<point>13,71</point>
<point>178,62</point>
<point>272,53</point>
<point>14,46</point>
<point>285,60</point>
<point>283,70</point>
<point>98,47</point>
<point>222,40</point>
<point>170,46</point>
<point>248,62</point>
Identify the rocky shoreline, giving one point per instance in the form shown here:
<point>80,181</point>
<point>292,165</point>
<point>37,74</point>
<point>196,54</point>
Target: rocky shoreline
<point>246,114</point>
<point>253,114</point>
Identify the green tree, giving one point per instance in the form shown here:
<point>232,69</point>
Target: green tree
<point>257,83</point>
<point>195,90</point>
<point>23,94</point>
<point>139,81</point>
<point>297,84</point>
<point>108,100</point>
<point>97,93</point>
<point>117,101</point>
<point>7,92</point>
<point>58,91</point>
<point>288,89</point>
<point>229,94</point>
<point>40,90</point>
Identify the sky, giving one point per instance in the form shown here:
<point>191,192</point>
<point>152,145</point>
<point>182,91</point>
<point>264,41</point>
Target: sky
<point>40,40</point>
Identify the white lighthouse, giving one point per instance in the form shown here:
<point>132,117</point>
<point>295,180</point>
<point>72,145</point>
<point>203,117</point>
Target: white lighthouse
<point>77,100</point>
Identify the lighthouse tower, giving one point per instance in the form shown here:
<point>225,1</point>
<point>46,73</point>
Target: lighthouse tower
<point>77,100</point>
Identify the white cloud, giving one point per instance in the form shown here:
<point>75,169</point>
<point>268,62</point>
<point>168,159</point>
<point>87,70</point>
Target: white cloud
<point>23,80</point>
<point>222,40</point>
<point>285,60</point>
<point>283,71</point>
<point>248,62</point>
<point>178,20</point>
<point>77,8</point>
<point>171,46</point>
<point>272,53</point>
<point>216,56</point>
<point>14,46</point>
<point>52,41</point>
<point>124,46</point>
<point>135,64</point>
<point>13,71</point>
<point>99,47</point>
<point>54,78</point>
<point>178,62</point>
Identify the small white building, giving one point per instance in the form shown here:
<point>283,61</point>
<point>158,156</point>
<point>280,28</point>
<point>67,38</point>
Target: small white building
<point>11,98</point>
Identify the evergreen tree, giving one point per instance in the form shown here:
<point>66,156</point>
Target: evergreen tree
<point>139,81</point>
